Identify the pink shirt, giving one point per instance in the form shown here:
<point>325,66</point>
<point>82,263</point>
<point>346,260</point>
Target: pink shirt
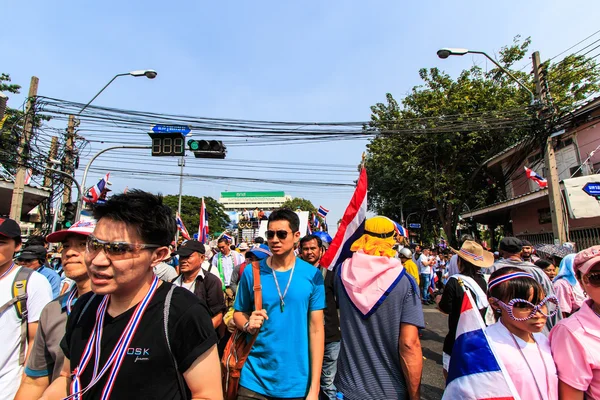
<point>517,367</point>
<point>570,298</point>
<point>575,345</point>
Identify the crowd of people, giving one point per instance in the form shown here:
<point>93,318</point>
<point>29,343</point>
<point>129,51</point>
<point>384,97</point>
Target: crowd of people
<point>129,315</point>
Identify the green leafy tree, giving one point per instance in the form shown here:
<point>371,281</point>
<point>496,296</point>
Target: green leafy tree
<point>190,212</point>
<point>430,150</point>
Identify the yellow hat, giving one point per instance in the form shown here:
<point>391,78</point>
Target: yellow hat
<point>378,238</point>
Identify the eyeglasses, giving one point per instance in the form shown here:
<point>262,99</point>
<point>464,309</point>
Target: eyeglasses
<point>115,249</point>
<point>280,234</point>
<point>593,278</point>
<point>522,310</point>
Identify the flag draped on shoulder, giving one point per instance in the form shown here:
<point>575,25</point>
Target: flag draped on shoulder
<point>352,226</point>
<point>93,195</point>
<point>181,227</point>
<point>203,227</point>
<point>322,212</point>
<point>476,372</point>
<point>542,182</point>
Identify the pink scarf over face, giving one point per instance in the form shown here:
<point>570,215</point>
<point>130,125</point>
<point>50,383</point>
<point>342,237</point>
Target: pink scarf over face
<point>366,279</point>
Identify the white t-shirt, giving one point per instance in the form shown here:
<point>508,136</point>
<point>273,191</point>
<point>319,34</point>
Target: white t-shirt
<point>39,293</point>
<point>424,270</point>
<point>517,367</point>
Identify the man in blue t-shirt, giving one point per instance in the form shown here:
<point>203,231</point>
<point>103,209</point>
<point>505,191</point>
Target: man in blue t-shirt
<point>285,361</point>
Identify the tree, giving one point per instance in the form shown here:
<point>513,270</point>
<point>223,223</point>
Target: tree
<point>429,152</point>
<point>190,212</point>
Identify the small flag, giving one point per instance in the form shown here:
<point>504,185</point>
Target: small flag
<point>181,227</point>
<point>351,228</point>
<point>28,175</point>
<point>542,183</point>
<point>322,212</point>
<point>308,230</point>
<point>93,195</point>
<point>315,222</point>
<point>476,371</point>
<point>400,230</point>
<point>432,281</point>
<point>203,226</point>
<point>227,237</point>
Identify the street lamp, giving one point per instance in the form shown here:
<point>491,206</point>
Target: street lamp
<point>447,52</point>
<point>148,73</point>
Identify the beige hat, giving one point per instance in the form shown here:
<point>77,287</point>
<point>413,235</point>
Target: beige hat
<point>473,253</point>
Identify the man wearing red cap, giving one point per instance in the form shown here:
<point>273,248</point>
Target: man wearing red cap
<point>17,327</point>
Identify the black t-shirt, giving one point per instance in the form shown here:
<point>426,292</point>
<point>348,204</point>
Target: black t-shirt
<point>451,303</point>
<point>332,320</point>
<point>147,371</point>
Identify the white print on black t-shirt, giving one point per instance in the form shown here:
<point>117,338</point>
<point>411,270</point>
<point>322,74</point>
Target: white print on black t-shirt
<point>138,351</point>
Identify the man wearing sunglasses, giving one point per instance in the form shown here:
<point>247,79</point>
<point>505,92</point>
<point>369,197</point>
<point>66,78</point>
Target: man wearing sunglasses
<point>34,257</point>
<point>140,337</point>
<point>286,359</point>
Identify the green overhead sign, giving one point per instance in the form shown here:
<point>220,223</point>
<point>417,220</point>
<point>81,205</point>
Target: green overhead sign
<point>236,195</point>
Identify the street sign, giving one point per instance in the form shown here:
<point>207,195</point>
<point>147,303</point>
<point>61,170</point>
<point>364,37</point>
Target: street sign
<point>158,128</point>
<point>414,226</point>
<point>592,189</point>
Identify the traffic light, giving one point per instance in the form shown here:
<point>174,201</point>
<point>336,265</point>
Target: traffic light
<point>68,212</point>
<point>207,148</point>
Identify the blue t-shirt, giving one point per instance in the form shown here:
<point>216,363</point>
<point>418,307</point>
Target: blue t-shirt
<point>278,364</point>
<point>53,278</point>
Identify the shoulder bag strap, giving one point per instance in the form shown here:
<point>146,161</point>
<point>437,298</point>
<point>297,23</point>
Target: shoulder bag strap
<point>257,286</point>
<point>166,309</point>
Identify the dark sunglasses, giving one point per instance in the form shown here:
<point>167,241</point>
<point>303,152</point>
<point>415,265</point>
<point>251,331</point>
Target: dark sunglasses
<point>280,234</point>
<point>593,278</point>
<point>94,245</point>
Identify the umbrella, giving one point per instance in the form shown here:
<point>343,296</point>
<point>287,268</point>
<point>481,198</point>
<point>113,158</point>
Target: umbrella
<point>324,236</point>
<point>554,250</point>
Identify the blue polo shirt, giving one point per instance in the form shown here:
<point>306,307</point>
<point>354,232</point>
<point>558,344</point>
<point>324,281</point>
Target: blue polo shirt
<point>278,364</point>
<point>53,278</point>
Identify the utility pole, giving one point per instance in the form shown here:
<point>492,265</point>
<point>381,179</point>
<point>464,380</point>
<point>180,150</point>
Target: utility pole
<point>51,156</point>
<point>16,204</point>
<point>181,164</point>
<point>554,191</point>
<point>69,160</point>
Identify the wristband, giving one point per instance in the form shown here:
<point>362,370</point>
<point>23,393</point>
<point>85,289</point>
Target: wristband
<point>245,328</point>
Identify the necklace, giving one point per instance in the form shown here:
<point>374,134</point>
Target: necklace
<point>529,366</point>
<point>281,297</point>
<point>7,271</point>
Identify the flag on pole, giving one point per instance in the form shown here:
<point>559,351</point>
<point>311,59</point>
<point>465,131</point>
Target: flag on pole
<point>476,372</point>
<point>308,230</point>
<point>400,230</point>
<point>322,212</point>
<point>28,175</point>
<point>181,227</point>
<point>542,182</point>
<point>351,228</point>
<point>316,222</point>
<point>203,227</point>
<point>93,195</point>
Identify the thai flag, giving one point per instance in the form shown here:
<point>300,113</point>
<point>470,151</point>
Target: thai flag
<point>543,183</point>
<point>95,191</point>
<point>203,227</point>
<point>322,212</point>
<point>308,230</point>
<point>432,281</point>
<point>227,237</point>
<point>476,372</point>
<point>400,230</point>
<point>181,227</point>
<point>351,228</point>
<point>28,175</point>
<point>316,222</point>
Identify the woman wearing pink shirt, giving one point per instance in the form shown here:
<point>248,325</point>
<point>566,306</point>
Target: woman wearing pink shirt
<point>575,341</point>
<point>523,308</point>
<point>566,287</point>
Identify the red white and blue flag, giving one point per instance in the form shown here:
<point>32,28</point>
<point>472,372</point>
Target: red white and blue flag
<point>351,228</point>
<point>322,212</point>
<point>542,182</point>
<point>28,175</point>
<point>184,232</point>
<point>308,230</point>
<point>400,230</point>
<point>476,372</point>
<point>203,227</point>
<point>315,222</point>
<point>93,195</point>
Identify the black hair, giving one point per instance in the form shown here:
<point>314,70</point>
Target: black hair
<point>36,241</point>
<point>223,239</point>
<point>308,238</point>
<point>543,264</point>
<point>465,237</point>
<point>516,288</point>
<point>232,247</point>
<point>153,220</point>
<point>259,240</point>
<point>285,214</point>
<point>468,269</point>
<point>250,256</point>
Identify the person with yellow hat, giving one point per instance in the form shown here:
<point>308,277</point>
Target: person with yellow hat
<point>380,314</point>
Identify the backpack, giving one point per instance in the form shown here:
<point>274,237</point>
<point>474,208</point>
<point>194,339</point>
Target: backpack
<point>239,345</point>
<point>19,301</point>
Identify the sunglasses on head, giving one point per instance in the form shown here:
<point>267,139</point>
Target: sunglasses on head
<point>94,245</point>
<point>593,278</point>
<point>280,234</point>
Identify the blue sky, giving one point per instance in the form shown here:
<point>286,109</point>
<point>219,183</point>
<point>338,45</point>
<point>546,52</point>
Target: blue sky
<point>263,60</point>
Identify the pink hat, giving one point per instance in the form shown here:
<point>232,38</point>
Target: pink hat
<point>586,259</point>
<point>80,227</point>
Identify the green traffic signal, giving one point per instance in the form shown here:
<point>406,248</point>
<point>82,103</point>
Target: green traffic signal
<point>194,145</point>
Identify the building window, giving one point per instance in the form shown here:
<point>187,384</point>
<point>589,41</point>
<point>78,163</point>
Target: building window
<point>544,216</point>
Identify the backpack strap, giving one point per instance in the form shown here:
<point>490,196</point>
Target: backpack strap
<point>167,307</point>
<point>19,292</point>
